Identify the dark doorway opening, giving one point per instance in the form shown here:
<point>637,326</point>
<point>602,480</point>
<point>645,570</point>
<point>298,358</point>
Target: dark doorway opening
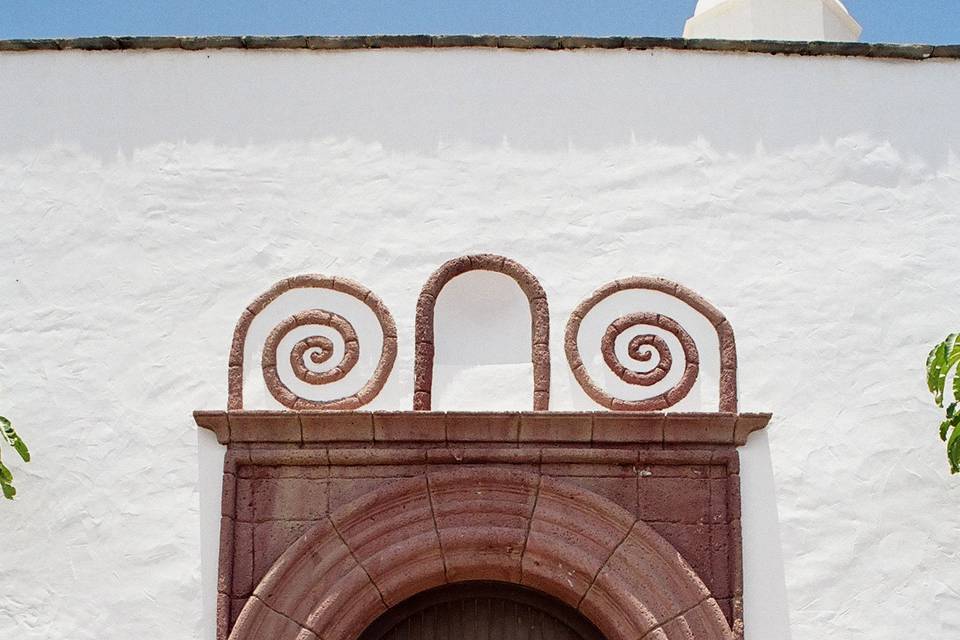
<point>482,611</point>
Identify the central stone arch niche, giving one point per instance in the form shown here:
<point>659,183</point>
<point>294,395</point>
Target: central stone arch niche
<point>482,611</point>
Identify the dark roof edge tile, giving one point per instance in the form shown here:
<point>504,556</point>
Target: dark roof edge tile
<point>851,49</point>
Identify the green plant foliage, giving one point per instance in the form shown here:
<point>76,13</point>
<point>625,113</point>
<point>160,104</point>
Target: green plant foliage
<point>942,361</point>
<point>14,440</point>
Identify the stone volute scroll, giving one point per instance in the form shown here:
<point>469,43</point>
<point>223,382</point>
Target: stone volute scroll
<point>310,357</point>
<point>642,348</point>
<point>539,319</point>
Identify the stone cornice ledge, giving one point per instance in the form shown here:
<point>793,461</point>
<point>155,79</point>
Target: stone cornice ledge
<point>804,48</point>
<point>390,428</point>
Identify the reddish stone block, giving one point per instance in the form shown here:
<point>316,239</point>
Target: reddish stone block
<point>228,496</point>
<point>484,456</point>
<point>378,471</point>
<point>718,500</point>
<point>242,559</point>
<point>234,388</point>
<point>423,369</point>
<point>629,598</point>
<point>482,517</point>
<point>482,553</point>
<point>421,400</point>
<point>311,576</point>
<point>677,628</point>
<point>271,539</point>
<point>648,573</point>
<point>541,400</point>
<point>673,499</point>
<point>540,321</point>
<point>289,454</point>
<point>728,460</point>
<point>571,536</point>
<point>589,462</point>
<point>735,541</point>
<point>392,534</point>
<point>633,428</point>
<point>345,490</point>
<point>482,427</point>
<point>235,606</point>
<point>289,499</point>
<point>256,426</point>
<point>483,497</point>
<point>337,427</point>
<point>748,423</point>
<point>615,619</point>
<point>486,262</point>
<point>728,390</point>
<point>556,427</point>
<point>581,455</point>
<point>694,543</point>
<point>215,421</point>
<point>726,606</point>
<point>259,621</point>
<point>226,556</point>
<point>736,624</point>
<point>404,427</point>
<point>376,457</point>
<point>398,509</point>
<point>406,567</point>
<point>622,491</point>
<point>715,428</point>
<point>721,583</point>
<point>348,609</point>
<point>707,621</point>
<point>672,455</point>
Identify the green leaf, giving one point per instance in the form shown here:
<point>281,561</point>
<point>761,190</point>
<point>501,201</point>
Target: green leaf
<point>936,361</point>
<point>953,455</point>
<point>13,439</point>
<point>953,448</point>
<point>5,474</point>
<point>944,357</point>
<point>944,428</point>
<point>21,447</point>
<point>8,490</point>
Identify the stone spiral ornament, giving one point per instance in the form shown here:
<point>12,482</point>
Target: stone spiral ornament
<point>311,356</point>
<point>642,348</point>
<point>310,353</point>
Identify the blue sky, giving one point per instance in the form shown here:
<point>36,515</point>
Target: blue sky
<point>928,21</point>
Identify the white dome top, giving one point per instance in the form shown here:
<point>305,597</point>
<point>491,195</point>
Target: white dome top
<point>772,20</point>
<point>706,5</point>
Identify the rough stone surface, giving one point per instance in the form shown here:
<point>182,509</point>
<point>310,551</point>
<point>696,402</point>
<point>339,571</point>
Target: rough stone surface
<point>472,514</point>
<point>413,534</point>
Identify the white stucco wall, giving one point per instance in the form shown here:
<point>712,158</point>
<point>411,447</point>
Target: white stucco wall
<point>147,197</point>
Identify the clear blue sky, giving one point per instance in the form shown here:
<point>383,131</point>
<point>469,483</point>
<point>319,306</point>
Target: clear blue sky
<point>927,21</point>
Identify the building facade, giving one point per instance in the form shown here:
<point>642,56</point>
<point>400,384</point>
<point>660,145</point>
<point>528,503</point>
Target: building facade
<point>475,214</point>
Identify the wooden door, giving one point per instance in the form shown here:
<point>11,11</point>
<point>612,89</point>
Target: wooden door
<point>481,611</point>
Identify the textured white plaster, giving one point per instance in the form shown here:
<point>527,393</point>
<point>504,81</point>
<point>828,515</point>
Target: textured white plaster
<point>146,198</point>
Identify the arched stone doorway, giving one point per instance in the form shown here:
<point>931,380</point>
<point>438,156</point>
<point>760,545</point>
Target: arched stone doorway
<point>482,611</point>
<point>436,529</point>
